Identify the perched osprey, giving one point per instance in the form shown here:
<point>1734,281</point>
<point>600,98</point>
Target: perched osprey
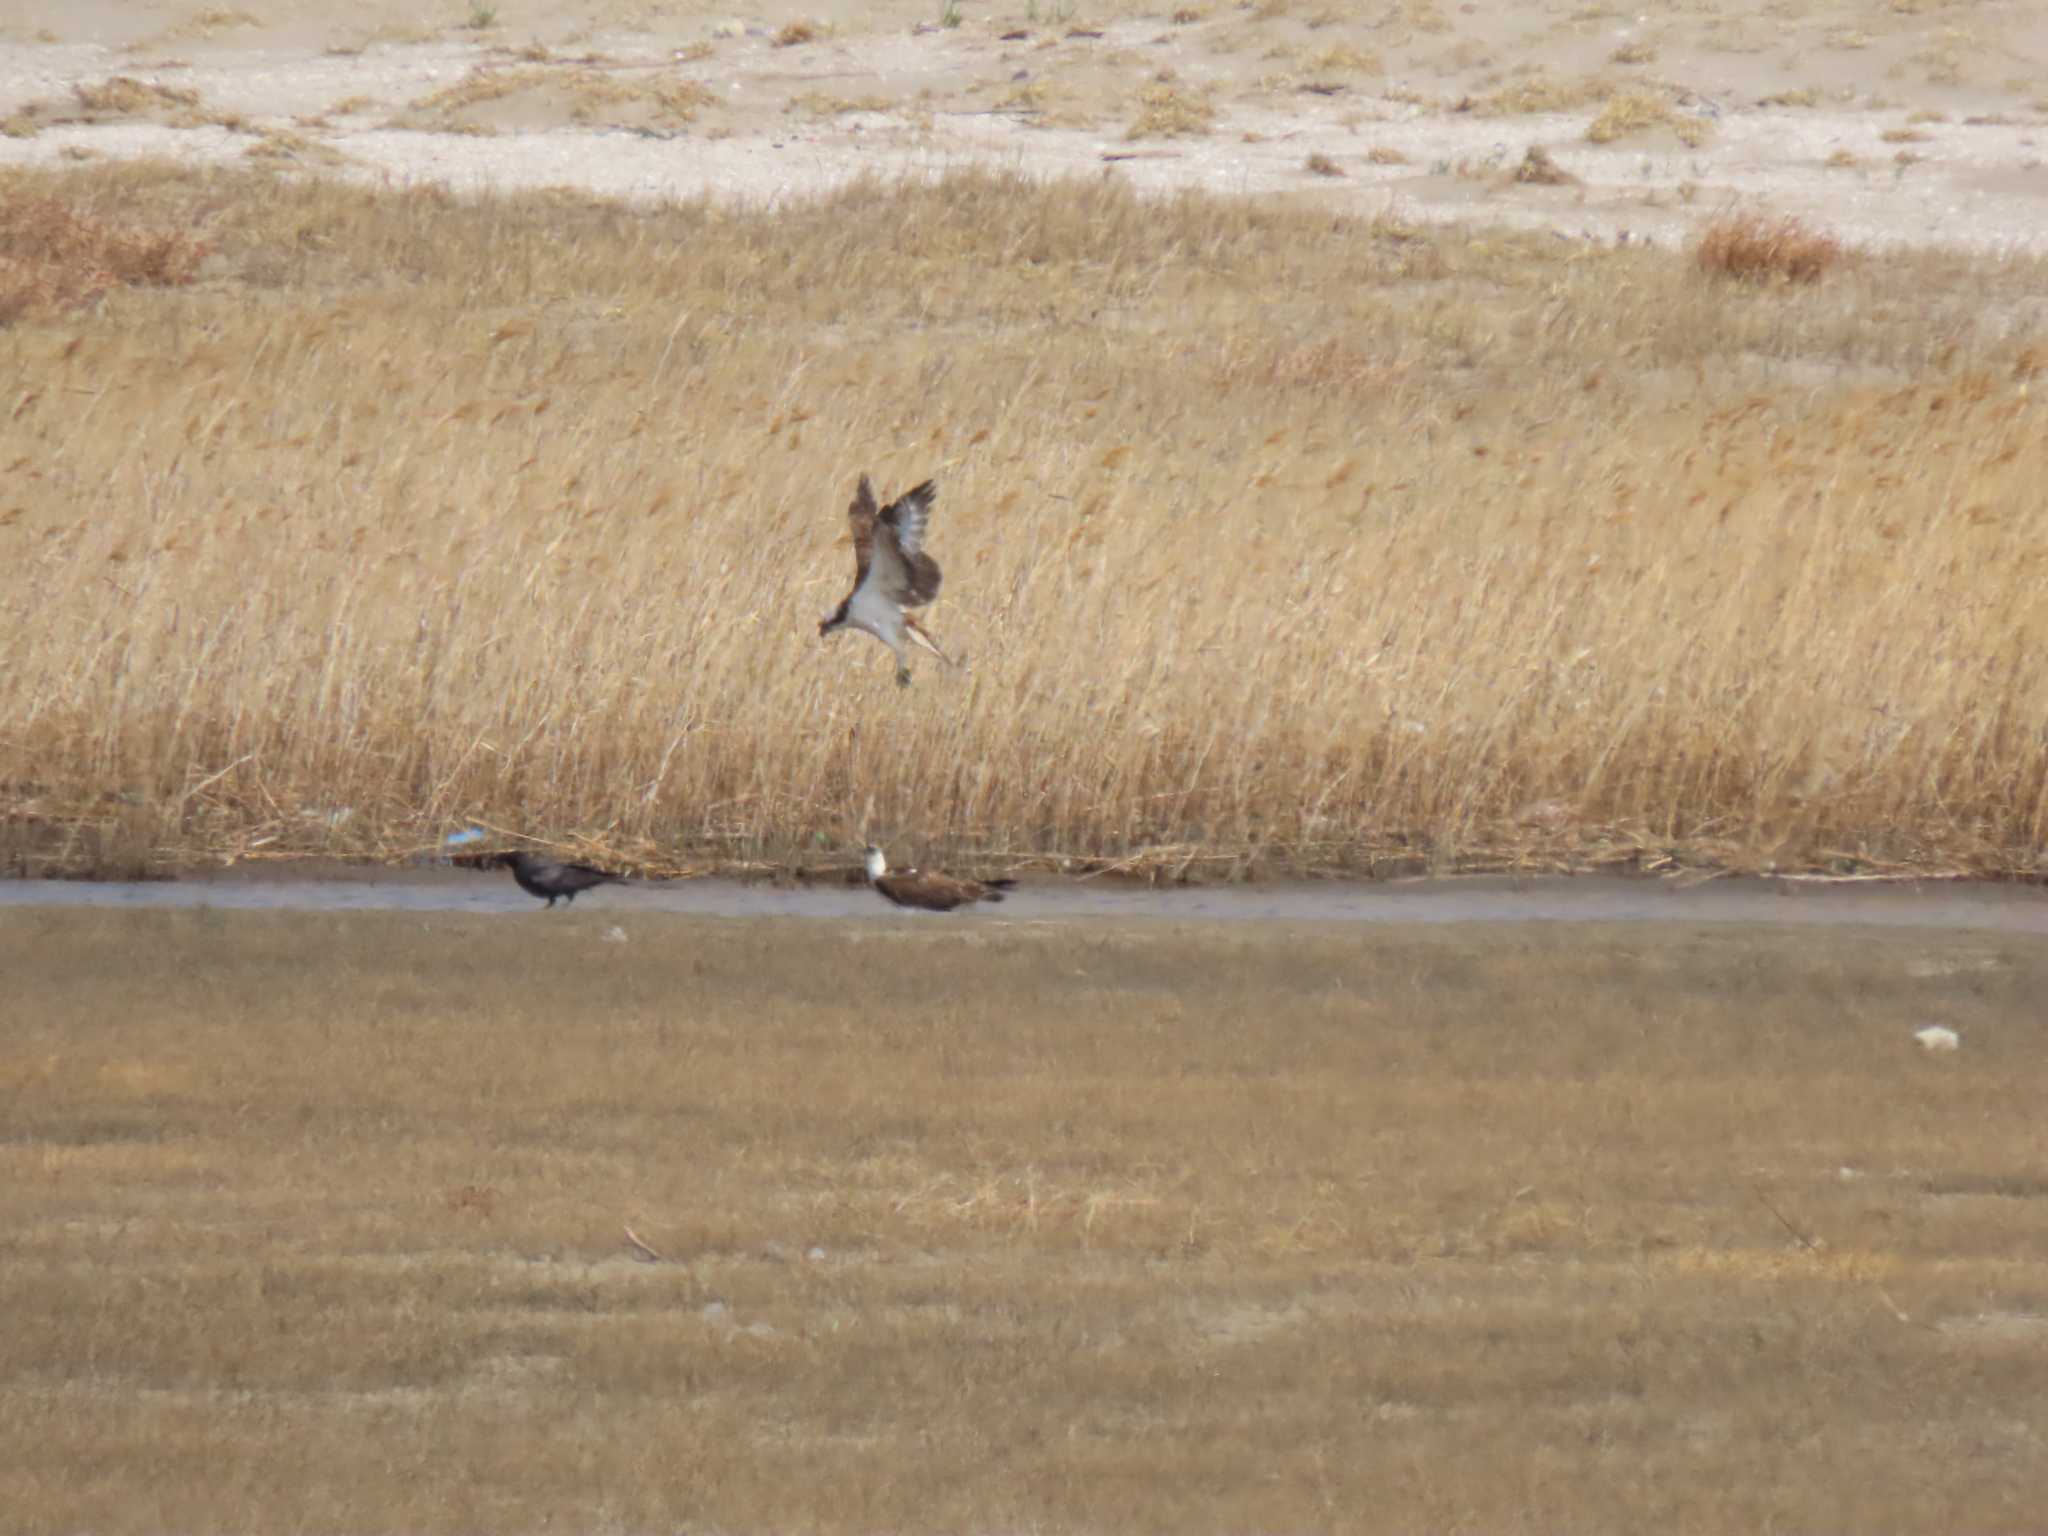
<point>891,572</point>
<point>546,877</point>
<point>933,892</point>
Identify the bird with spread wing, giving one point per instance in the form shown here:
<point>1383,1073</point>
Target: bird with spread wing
<point>891,573</point>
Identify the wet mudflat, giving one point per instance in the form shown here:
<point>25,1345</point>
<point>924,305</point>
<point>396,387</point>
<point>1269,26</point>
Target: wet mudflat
<point>627,1218</point>
<point>1994,907</point>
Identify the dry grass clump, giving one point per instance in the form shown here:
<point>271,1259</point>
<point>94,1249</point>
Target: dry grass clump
<point>1755,248</point>
<point>390,34</point>
<point>1026,96</point>
<point>209,21</point>
<point>1003,1226</point>
<point>53,256</point>
<point>1342,58</point>
<point>1166,111</point>
<point>1320,164</point>
<point>1540,92</point>
<point>824,104</point>
<point>1637,111</point>
<point>1421,15</point>
<point>492,97</point>
<point>1636,51</point>
<point>119,98</point>
<point>426,509</point>
<point>1537,168</point>
<point>284,146</point>
<point>793,34</point>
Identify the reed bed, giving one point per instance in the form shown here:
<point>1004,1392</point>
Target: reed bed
<point>1274,540</point>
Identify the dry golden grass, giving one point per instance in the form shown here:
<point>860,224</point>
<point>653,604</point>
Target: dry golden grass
<point>589,95</point>
<point>420,510</point>
<point>1167,111</point>
<point>119,98</point>
<point>321,1222</point>
<point>1539,92</point>
<point>207,22</point>
<point>825,104</point>
<point>1760,249</point>
<point>279,144</point>
<point>54,256</point>
<point>1638,111</point>
<point>1341,58</point>
<point>1538,168</point>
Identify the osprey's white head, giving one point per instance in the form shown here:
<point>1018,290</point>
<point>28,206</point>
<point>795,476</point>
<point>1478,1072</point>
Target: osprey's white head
<point>877,865</point>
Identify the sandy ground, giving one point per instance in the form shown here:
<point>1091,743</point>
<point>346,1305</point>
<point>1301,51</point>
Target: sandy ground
<point>1884,121</point>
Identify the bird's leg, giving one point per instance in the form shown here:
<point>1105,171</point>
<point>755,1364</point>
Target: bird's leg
<point>922,636</point>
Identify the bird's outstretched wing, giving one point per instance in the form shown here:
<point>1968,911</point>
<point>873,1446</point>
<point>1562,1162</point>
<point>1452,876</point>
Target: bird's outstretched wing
<point>860,516</point>
<point>905,520</point>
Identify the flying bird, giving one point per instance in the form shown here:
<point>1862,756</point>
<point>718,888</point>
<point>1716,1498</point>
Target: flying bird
<point>891,573</point>
<point>548,878</point>
<point>932,891</point>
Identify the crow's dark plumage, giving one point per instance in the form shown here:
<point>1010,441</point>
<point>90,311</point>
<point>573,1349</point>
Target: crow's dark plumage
<point>549,878</point>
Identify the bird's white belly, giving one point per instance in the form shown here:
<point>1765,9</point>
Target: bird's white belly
<point>878,616</point>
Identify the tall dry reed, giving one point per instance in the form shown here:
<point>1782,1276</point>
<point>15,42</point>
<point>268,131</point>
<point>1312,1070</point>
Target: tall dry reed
<point>1270,537</point>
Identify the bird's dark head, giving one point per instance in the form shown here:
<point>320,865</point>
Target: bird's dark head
<point>832,620</point>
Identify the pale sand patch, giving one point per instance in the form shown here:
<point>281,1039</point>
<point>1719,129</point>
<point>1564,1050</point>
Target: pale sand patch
<point>1790,113</point>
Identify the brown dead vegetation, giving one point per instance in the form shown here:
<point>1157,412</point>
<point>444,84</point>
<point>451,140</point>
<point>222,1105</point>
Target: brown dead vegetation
<point>1639,111</point>
<point>1756,248</point>
<point>1537,168</point>
<point>53,256</point>
<point>444,1223</point>
<point>491,95</point>
<point>423,510</point>
<point>1167,111</point>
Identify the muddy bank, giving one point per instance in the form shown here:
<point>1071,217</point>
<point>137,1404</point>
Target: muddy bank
<point>1470,899</point>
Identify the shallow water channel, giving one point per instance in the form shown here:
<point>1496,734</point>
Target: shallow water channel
<point>1465,899</point>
